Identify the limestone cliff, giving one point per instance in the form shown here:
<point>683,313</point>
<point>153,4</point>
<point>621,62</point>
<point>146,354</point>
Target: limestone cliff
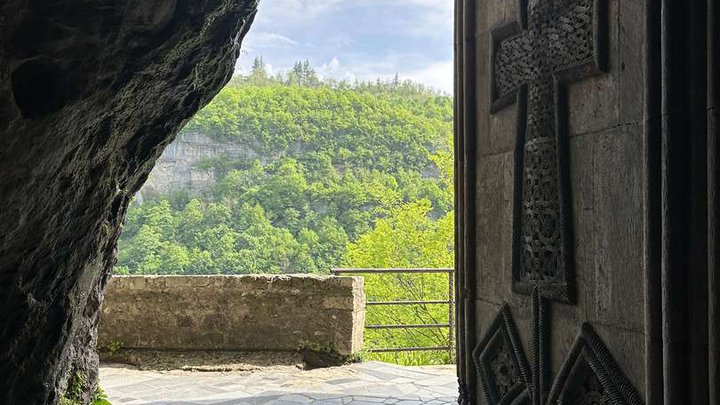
<point>181,164</point>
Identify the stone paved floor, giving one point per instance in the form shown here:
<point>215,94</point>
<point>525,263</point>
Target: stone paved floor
<point>368,383</point>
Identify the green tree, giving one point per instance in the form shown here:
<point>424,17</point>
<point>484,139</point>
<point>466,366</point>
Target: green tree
<point>302,74</point>
<point>409,237</point>
<point>258,73</point>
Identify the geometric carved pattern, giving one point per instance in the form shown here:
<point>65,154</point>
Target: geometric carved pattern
<point>501,363</point>
<point>555,42</point>
<point>590,392</point>
<point>505,374</point>
<point>590,375</point>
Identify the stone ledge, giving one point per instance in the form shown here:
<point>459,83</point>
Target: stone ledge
<point>242,313</point>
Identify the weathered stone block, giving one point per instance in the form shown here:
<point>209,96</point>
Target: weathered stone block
<point>502,132</point>
<point>490,14</point>
<point>594,105</point>
<point>582,185</point>
<point>234,312</point>
<point>618,208</point>
<point>631,61</point>
<point>594,101</point>
<point>507,215</point>
<point>482,94</point>
<point>492,277</point>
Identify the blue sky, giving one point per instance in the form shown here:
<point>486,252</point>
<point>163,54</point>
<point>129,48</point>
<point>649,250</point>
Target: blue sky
<point>356,39</point>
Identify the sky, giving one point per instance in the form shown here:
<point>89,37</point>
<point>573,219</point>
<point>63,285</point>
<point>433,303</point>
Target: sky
<point>356,39</point>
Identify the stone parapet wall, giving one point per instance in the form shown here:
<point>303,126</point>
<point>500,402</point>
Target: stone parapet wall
<point>254,312</point>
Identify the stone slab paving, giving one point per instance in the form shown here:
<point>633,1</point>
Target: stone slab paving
<point>368,383</point>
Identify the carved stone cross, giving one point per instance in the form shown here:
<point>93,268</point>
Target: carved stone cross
<point>555,42</point>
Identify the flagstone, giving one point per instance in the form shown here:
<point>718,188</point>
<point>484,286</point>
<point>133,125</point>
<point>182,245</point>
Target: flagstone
<point>369,383</point>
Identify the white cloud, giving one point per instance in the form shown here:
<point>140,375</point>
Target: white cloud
<point>439,75</point>
<point>357,39</point>
<point>268,40</point>
<point>437,4</point>
<point>340,41</point>
<point>433,18</point>
<point>297,9</point>
<point>304,10</point>
<point>334,69</point>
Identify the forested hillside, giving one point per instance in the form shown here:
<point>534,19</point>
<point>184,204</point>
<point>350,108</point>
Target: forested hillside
<point>345,175</point>
<point>335,175</point>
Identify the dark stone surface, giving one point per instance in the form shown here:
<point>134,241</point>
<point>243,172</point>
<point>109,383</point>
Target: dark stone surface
<point>605,170</point>
<point>323,358</point>
<point>90,93</point>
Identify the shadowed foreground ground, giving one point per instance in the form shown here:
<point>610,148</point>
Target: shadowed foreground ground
<point>357,384</point>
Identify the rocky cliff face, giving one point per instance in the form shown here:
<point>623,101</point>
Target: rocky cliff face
<point>90,94</point>
<point>181,164</point>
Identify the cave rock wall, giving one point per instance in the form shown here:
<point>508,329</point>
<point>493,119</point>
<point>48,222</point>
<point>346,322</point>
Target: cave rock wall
<point>90,94</point>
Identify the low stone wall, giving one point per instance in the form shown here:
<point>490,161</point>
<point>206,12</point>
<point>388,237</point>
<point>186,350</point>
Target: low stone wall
<point>254,312</point>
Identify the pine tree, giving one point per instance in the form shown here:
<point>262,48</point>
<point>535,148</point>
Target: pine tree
<point>309,75</point>
<point>303,74</point>
<point>295,76</point>
<point>258,74</point>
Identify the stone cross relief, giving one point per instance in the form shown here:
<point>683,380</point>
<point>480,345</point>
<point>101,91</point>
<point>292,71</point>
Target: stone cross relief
<point>553,43</point>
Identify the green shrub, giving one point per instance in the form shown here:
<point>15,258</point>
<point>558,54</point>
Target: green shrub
<point>76,388</point>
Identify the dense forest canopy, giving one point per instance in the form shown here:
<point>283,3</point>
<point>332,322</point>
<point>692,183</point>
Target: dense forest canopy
<point>341,172</point>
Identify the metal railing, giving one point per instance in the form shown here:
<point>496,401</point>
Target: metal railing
<point>450,302</point>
